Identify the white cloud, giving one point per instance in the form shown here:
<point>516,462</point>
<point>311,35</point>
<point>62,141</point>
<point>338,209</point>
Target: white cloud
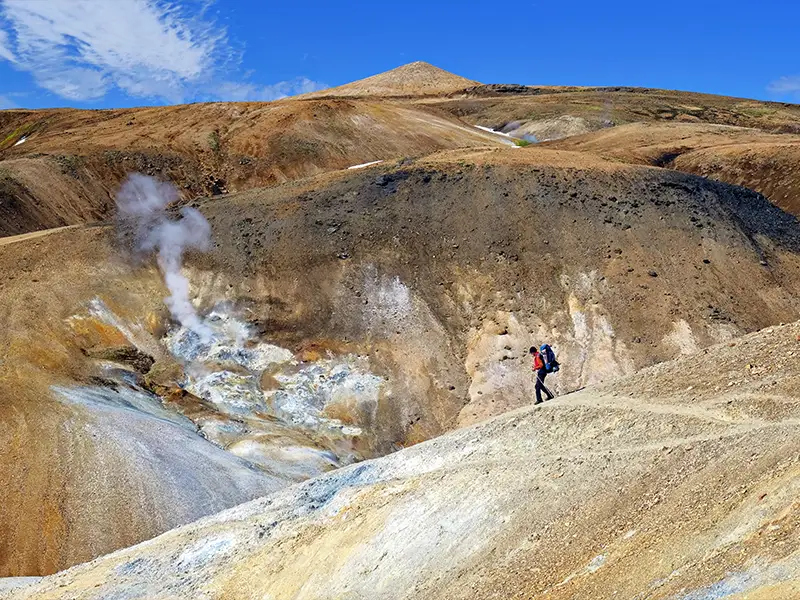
<point>251,92</point>
<point>5,44</point>
<point>785,85</point>
<point>6,103</point>
<point>81,49</point>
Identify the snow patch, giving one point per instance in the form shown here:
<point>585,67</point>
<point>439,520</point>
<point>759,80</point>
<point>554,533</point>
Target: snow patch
<point>490,130</point>
<point>21,140</point>
<point>366,164</point>
<point>508,139</point>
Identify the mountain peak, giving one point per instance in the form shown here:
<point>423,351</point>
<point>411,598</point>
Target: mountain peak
<point>413,79</point>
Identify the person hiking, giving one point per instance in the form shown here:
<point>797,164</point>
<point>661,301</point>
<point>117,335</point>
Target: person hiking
<point>540,367</point>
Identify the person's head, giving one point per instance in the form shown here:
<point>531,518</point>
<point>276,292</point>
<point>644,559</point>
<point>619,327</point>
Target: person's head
<point>534,350</point>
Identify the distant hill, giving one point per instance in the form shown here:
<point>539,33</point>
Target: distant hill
<point>765,162</point>
<point>414,79</point>
<point>62,166</point>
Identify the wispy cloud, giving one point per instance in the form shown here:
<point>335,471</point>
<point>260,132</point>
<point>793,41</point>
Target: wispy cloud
<point>6,103</point>
<point>5,52</point>
<point>165,49</point>
<point>250,92</point>
<point>785,85</point>
<point>80,49</point>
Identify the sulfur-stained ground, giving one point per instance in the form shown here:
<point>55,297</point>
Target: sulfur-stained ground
<point>643,489</point>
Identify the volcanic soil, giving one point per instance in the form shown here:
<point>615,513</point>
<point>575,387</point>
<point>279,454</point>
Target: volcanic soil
<point>690,491</point>
<point>360,423</point>
<point>438,272</point>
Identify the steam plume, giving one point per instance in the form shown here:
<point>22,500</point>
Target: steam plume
<point>141,213</point>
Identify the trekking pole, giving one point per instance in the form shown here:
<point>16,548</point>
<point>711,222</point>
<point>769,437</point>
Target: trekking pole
<point>546,389</point>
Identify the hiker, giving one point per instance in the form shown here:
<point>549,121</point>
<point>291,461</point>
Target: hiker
<point>544,362</point>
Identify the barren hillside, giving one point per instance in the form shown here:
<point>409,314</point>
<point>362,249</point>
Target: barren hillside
<point>403,296</point>
<point>683,477</point>
<point>70,162</point>
<point>597,108</point>
<point>61,167</point>
<point>768,163</point>
<point>348,413</point>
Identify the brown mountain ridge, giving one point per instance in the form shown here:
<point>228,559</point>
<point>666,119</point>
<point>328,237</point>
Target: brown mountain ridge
<point>61,167</point>
<point>350,416</point>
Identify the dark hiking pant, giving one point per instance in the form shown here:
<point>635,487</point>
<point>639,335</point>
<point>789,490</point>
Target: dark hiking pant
<point>540,375</point>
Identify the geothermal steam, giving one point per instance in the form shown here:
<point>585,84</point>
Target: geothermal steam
<point>141,212</point>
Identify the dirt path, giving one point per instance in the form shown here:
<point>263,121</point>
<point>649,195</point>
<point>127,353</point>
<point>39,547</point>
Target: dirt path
<point>34,234</point>
<point>699,411</point>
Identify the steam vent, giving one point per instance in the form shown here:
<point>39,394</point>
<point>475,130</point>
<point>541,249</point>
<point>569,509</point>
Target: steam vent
<point>282,350</point>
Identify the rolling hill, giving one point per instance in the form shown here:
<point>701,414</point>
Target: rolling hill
<point>413,288</point>
<point>61,167</point>
<point>352,417</point>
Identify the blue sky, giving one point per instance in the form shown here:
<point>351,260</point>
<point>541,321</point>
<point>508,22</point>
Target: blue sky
<point>104,53</point>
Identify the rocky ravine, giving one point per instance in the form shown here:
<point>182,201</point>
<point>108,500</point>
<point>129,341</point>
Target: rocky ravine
<point>645,489</point>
